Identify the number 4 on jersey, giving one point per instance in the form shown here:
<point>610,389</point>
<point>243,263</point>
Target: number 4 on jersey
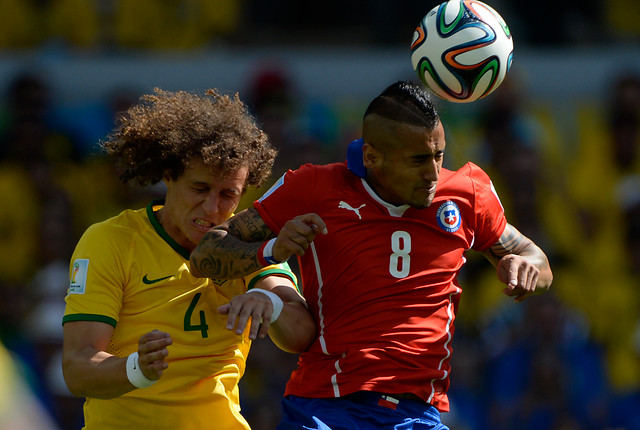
<point>202,327</point>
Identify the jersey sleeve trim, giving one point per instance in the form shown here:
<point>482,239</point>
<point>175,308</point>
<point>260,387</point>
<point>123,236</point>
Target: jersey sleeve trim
<point>283,271</point>
<point>89,317</point>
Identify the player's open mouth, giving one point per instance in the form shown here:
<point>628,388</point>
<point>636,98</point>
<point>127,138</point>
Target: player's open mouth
<point>202,223</point>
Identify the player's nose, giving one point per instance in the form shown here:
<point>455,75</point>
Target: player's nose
<point>210,204</point>
<point>431,172</point>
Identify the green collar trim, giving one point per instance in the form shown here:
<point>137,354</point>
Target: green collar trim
<point>161,231</point>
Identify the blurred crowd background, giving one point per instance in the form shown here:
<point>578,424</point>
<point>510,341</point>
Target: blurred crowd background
<point>561,142</point>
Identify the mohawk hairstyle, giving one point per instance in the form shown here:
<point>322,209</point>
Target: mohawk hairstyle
<point>407,103</point>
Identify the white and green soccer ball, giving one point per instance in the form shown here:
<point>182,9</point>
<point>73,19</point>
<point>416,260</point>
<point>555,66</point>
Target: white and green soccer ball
<point>462,50</point>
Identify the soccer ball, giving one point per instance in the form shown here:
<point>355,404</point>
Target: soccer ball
<point>462,50</point>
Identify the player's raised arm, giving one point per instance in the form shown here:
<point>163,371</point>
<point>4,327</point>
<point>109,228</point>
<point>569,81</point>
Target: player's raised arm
<point>521,264</point>
<point>237,247</point>
<point>229,251</point>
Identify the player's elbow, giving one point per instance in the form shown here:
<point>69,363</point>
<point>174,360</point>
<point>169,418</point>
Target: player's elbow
<point>73,388</point>
<point>294,346</point>
<point>304,343</point>
<point>201,264</point>
<point>193,265</point>
<point>76,390</point>
<point>74,383</point>
<point>203,261</point>
<point>295,335</point>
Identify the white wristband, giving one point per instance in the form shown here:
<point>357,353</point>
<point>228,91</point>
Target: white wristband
<point>276,301</point>
<point>134,373</point>
<point>267,252</point>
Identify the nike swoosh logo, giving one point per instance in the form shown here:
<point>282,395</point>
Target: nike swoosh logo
<point>148,281</point>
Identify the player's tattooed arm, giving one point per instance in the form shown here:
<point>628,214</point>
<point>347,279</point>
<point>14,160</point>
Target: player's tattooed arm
<point>513,244</point>
<point>247,226</point>
<point>229,251</point>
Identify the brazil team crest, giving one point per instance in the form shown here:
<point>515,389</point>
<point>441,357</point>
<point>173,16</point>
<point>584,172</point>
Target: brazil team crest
<point>448,216</point>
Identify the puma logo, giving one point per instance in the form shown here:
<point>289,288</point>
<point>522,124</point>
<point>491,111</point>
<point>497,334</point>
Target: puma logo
<point>344,205</point>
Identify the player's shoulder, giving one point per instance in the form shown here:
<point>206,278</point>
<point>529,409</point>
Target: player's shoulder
<point>466,183</point>
<point>323,168</point>
<point>472,170</point>
<point>321,173</point>
<point>469,172</point>
<point>122,226</point>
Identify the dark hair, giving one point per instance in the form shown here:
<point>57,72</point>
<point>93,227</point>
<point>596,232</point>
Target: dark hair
<point>407,103</point>
<point>167,130</point>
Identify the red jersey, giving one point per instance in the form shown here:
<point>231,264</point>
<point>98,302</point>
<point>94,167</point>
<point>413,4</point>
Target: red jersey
<point>382,283</point>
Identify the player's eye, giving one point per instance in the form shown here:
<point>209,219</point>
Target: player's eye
<point>230,195</point>
<point>418,160</point>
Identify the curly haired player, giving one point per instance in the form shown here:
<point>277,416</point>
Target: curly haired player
<point>147,343</point>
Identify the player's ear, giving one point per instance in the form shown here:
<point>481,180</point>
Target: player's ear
<point>371,157</point>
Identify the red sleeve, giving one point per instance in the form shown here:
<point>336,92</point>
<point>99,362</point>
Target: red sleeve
<point>490,217</point>
<point>289,197</point>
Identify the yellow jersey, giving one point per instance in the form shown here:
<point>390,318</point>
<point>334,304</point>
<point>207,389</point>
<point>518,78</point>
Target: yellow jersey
<point>127,272</point>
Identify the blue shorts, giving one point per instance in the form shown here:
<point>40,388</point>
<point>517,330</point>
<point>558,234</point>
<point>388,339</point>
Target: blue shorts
<point>364,410</point>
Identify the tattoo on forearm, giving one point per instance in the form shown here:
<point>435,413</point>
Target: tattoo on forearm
<point>511,242</point>
<point>250,227</point>
<point>220,255</point>
<point>515,243</point>
<point>229,251</point>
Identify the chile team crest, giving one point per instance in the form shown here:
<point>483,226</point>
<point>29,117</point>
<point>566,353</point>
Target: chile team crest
<point>448,216</point>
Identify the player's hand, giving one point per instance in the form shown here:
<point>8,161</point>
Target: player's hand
<point>152,352</point>
<point>520,275</point>
<point>296,236</point>
<point>240,308</point>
